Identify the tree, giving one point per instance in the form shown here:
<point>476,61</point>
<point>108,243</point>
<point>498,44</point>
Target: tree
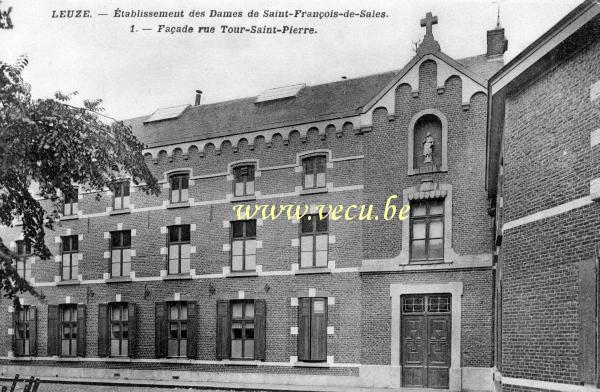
<point>5,21</point>
<point>49,145</point>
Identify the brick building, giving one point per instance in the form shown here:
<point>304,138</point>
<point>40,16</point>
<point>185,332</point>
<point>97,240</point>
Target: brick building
<point>176,289</point>
<point>543,172</point>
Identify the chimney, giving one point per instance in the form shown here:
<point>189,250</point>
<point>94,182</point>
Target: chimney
<point>198,97</point>
<point>497,43</point>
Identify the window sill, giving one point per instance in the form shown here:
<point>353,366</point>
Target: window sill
<point>426,262</point>
<point>178,277</point>
<point>117,359</point>
<point>312,270</point>
<point>118,279</point>
<point>67,359</point>
<point>68,282</point>
<point>322,364</point>
<point>184,204</point>
<point>235,199</point>
<point>240,362</point>
<point>69,217</point>
<point>313,191</point>
<point>23,358</point>
<point>424,170</point>
<point>241,274</point>
<point>121,211</point>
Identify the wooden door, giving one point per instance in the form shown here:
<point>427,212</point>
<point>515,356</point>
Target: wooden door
<point>425,340</point>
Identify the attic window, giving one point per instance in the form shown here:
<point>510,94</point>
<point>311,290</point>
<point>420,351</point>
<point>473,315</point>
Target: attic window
<point>280,93</point>
<point>166,113</point>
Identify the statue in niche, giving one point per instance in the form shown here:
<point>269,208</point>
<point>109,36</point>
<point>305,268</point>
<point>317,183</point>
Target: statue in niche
<point>428,148</point>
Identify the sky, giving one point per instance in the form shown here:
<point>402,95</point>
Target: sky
<point>136,73</point>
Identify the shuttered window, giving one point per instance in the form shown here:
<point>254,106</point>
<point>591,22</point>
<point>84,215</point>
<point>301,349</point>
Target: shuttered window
<point>176,329</point>
<point>314,240</point>
<point>71,197</point>
<point>312,329</point>
<point>427,230</point>
<point>68,330</point>
<point>179,184</point>
<point>243,245</point>
<point>179,249</point>
<point>178,316</point>
<point>120,250</point>
<point>25,325</point>
<point>70,257</point>
<point>243,180</point>
<point>315,169</point>
<point>588,327</point>
<point>241,329</point>
<point>121,196</point>
<point>116,329</point>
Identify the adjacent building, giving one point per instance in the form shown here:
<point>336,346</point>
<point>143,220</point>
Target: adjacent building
<point>543,174</point>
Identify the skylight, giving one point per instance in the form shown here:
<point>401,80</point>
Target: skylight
<point>161,114</point>
<point>280,93</point>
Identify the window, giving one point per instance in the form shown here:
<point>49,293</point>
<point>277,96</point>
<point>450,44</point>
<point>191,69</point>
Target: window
<point>243,245</point>
<point>68,327</point>
<point>70,257</point>
<point>121,195</point>
<point>242,330</point>
<point>179,187</point>
<point>24,325</point>
<point>119,329</point>
<point>179,249</point>
<point>312,329</point>
<point>243,180</point>
<point>314,239</point>
<point>427,230</point>
<point>23,261</point>
<point>120,249</point>
<point>70,207</point>
<point>178,316</point>
<point>314,172</point>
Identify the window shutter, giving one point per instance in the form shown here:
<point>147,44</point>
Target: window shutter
<point>160,333</point>
<point>132,330</point>
<point>318,335</point>
<point>33,331</point>
<point>14,346</point>
<point>81,330</point>
<point>103,331</point>
<point>304,329</point>
<point>192,330</point>
<point>53,338</point>
<point>223,333</point>
<point>587,326</point>
<point>260,325</point>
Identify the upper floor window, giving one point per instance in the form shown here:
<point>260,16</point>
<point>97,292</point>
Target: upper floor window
<point>179,184</point>
<point>243,245</point>
<point>23,261</point>
<point>312,329</point>
<point>120,249</point>
<point>71,197</point>
<point>24,326</point>
<point>121,195</point>
<point>119,329</point>
<point>427,230</point>
<point>314,239</point>
<point>178,335</point>
<point>68,330</point>
<point>70,257</point>
<point>179,249</point>
<point>243,180</point>
<point>315,169</point>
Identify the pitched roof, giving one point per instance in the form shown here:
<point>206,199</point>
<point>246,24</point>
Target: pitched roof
<point>313,103</point>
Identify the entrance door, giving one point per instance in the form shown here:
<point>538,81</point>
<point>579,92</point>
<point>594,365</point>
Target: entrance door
<point>425,349</point>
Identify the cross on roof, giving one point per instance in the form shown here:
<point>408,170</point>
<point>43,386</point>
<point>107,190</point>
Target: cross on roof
<point>428,22</point>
